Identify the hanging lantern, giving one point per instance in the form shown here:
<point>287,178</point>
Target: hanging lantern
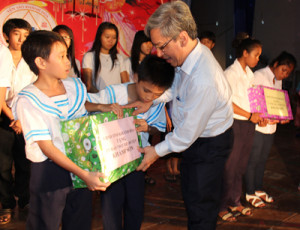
<point>114,5</point>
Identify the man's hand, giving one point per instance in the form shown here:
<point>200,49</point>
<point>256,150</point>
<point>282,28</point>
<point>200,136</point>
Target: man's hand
<point>140,107</point>
<point>149,158</point>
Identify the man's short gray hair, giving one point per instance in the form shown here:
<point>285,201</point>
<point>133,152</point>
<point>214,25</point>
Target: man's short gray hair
<point>172,18</point>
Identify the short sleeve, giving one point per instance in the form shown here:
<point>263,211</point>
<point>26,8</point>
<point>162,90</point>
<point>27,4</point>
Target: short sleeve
<point>88,60</point>
<point>6,67</point>
<point>35,127</point>
<point>122,63</point>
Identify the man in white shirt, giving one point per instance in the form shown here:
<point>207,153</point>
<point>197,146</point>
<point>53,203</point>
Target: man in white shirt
<point>202,112</point>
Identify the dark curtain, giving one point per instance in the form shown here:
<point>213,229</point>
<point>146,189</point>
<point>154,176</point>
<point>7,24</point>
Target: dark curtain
<point>243,15</point>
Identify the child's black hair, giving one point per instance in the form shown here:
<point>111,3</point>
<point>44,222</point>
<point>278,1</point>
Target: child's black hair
<point>15,23</point>
<point>138,40</point>
<point>209,35</point>
<point>284,58</point>
<point>97,46</point>
<point>247,44</point>
<point>39,44</point>
<point>156,71</point>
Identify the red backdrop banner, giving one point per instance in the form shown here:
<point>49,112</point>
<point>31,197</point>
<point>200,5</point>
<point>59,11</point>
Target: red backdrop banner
<point>83,17</point>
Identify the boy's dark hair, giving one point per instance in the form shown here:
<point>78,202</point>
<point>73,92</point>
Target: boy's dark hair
<point>284,58</point>
<point>15,23</point>
<point>156,71</point>
<point>39,44</point>
<point>209,35</point>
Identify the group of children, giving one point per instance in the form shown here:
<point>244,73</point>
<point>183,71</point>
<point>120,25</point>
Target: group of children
<point>40,86</point>
<point>48,96</point>
<point>253,135</point>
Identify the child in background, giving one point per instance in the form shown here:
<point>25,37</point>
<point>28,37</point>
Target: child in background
<point>123,202</point>
<point>102,65</point>
<point>40,107</point>
<point>68,36</point>
<point>141,47</point>
<point>208,39</point>
<point>15,75</point>
<point>271,76</point>
<point>240,78</point>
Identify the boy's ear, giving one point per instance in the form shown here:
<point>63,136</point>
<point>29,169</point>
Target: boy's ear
<point>135,78</point>
<point>40,63</point>
<point>6,37</point>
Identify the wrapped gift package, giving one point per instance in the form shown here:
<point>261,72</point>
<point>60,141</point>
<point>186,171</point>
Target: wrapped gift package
<point>270,102</point>
<point>102,142</point>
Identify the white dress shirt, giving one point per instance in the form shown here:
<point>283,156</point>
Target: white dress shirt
<point>239,81</point>
<point>202,105</point>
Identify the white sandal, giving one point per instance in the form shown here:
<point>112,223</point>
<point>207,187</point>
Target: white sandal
<point>265,197</point>
<point>255,201</point>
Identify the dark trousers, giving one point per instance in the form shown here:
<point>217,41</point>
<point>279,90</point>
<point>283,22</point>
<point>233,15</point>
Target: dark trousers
<point>70,207</point>
<point>202,168</point>
<point>262,144</point>
<point>54,202</point>
<point>122,203</point>
<point>12,150</point>
<point>236,164</point>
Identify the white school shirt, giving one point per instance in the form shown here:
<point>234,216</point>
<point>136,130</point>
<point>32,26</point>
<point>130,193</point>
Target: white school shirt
<point>154,117</point>
<point>265,77</point>
<point>40,115</point>
<point>202,105</point>
<point>239,81</point>
<point>107,75</point>
<point>16,77</point>
<point>6,65</point>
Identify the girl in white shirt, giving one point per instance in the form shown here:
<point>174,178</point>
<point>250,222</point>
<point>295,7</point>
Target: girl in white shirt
<point>67,34</point>
<point>240,77</point>
<point>102,65</point>
<point>271,76</point>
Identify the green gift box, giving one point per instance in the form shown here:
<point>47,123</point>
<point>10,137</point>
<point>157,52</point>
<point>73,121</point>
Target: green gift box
<point>85,144</point>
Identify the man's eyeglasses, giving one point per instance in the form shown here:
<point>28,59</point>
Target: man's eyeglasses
<point>164,45</point>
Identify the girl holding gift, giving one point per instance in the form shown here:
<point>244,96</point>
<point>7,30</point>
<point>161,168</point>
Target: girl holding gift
<point>102,65</point>
<point>67,34</point>
<point>240,77</point>
<point>271,76</point>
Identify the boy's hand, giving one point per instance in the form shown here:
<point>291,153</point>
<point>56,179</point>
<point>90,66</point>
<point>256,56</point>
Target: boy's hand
<point>93,182</point>
<point>16,126</point>
<point>149,158</point>
<point>142,125</point>
<point>140,107</point>
<point>116,108</point>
